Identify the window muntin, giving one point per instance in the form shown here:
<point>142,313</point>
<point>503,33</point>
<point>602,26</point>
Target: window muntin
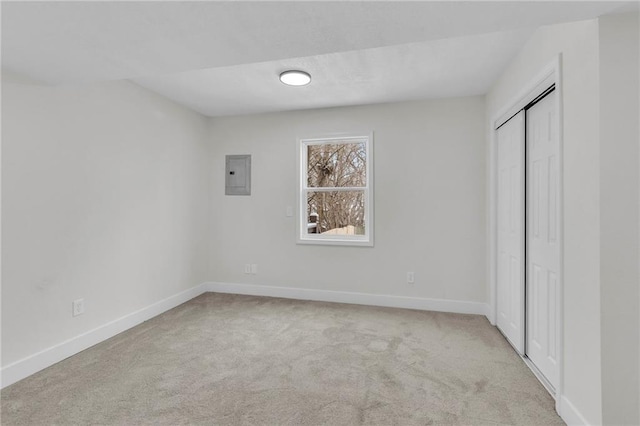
<point>335,191</point>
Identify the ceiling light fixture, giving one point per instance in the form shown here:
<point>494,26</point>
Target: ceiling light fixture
<point>295,78</point>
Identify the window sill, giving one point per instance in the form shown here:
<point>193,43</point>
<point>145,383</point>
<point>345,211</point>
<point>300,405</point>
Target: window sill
<point>336,242</point>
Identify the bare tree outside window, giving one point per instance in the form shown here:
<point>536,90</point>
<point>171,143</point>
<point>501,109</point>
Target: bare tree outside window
<point>335,169</point>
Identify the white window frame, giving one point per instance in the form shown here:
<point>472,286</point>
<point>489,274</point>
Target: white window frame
<point>303,237</point>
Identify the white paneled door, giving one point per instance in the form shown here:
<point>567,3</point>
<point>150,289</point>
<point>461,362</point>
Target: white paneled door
<point>543,251</point>
<point>528,248</point>
<point>511,231</point>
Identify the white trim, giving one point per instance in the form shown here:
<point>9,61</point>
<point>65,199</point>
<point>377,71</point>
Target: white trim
<point>569,413</point>
<point>440,305</point>
<point>550,74</point>
<point>25,367</point>
<point>560,308</point>
<point>493,223</point>
<point>302,237</point>
<point>492,219</point>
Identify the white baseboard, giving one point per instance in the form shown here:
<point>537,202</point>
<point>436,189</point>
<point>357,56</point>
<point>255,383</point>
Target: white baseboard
<point>32,364</point>
<point>441,305</point>
<point>27,366</point>
<point>570,414</point>
<point>491,315</point>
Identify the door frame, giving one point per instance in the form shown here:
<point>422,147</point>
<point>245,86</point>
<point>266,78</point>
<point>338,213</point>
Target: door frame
<point>550,74</point>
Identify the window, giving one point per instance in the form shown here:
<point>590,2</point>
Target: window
<point>336,193</point>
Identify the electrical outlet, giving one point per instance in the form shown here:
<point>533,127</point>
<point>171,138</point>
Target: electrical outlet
<point>411,278</point>
<point>247,268</point>
<point>289,211</point>
<point>254,269</point>
<point>78,307</point>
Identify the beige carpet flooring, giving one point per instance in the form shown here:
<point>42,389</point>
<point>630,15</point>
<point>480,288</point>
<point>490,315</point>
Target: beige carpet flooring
<point>243,360</point>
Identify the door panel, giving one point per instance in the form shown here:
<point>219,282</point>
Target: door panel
<point>542,240</point>
<point>510,226</point>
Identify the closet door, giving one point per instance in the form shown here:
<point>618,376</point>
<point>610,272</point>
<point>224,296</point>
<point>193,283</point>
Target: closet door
<point>543,251</point>
<point>511,232</point>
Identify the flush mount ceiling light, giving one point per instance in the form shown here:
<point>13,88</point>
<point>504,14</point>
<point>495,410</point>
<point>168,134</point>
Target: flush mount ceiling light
<point>295,78</point>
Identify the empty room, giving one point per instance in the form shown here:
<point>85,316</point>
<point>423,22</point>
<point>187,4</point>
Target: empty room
<point>320,213</point>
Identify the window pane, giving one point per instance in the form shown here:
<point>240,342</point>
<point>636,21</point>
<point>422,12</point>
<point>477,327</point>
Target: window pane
<point>337,165</point>
<point>335,212</point>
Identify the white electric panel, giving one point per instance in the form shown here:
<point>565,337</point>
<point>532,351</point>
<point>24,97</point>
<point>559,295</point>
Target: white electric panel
<point>238,175</point>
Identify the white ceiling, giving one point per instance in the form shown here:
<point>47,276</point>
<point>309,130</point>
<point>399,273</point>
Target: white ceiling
<point>436,69</point>
<point>223,58</point>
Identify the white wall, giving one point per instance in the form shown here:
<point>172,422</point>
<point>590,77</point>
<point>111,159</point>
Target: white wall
<point>619,189</point>
<point>104,197</point>
<point>578,44</point>
<point>429,202</point>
